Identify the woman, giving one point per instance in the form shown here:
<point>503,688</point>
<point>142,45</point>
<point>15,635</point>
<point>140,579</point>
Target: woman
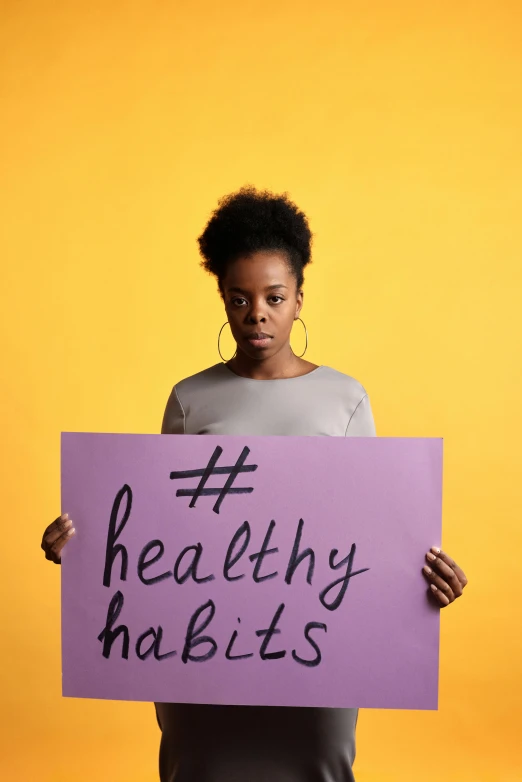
<point>257,246</point>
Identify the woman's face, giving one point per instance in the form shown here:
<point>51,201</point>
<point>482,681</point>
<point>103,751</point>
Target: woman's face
<point>261,302</point>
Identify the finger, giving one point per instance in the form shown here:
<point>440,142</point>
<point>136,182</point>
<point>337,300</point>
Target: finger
<point>442,586</point>
<point>439,596</point>
<point>54,552</point>
<point>56,530</point>
<point>452,564</point>
<point>53,530</point>
<point>446,572</point>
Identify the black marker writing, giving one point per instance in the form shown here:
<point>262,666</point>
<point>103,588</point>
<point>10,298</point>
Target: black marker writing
<point>230,561</point>
<point>192,569</point>
<point>272,630</point>
<point>191,564</point>
<point>344,580</point>
<point>260,555</point>
<point>296,558</point>
<point>228,653</point>
<point>144,563</point>
<point>212,469</point>
<point>157,636</point>
<point>193,637</point>
<point>317,659</point>
<point>108,635</point>
<point>114,533</point>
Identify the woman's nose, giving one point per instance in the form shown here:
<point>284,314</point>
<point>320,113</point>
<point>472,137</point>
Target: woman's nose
<point>257,313</point>
<point>256,316</point>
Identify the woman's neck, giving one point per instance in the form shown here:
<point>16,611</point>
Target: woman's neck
<point>283,364</point>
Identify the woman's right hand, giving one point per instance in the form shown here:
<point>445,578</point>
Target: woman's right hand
<point>56,536</point>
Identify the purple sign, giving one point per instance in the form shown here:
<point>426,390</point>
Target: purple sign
<point>251,570</point>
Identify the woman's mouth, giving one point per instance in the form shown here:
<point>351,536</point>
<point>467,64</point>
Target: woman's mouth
<point>259,339</point>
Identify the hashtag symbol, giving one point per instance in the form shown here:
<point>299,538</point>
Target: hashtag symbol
<point>212,469</point>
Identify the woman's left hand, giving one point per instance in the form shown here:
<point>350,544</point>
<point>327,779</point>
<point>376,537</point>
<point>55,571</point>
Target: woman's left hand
<point>446,578</point>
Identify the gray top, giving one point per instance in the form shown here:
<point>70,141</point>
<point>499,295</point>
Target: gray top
<point>262,743</point>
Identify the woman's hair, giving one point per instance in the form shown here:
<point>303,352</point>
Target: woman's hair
<point>251,220</point>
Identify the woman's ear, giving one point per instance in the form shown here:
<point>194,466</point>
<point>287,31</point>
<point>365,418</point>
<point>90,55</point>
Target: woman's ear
<point>299,303</point>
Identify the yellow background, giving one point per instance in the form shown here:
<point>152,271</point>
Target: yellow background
<point>397,128</point>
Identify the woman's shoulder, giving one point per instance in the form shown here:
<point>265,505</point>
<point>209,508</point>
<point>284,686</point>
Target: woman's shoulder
<point>192,390</point>
<point>346,384</point>
<point>353,396</point>
<point>204,379</point>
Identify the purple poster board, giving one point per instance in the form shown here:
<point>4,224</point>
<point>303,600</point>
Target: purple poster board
<point>251,570</point>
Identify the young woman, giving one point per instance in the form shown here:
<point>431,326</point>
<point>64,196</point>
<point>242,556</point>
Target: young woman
<point>257,245</point>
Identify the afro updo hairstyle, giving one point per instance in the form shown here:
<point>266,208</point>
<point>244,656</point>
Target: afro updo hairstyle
<point>251,220</point>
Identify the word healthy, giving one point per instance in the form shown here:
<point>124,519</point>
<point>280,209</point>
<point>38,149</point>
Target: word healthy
<point>198,645</point>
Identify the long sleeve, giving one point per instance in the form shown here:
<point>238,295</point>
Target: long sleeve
<point>174,415</point>
<point>361,423</point>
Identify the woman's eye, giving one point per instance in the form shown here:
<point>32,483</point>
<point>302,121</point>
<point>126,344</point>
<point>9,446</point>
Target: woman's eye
<point>276,299</point>
<point>238,302</point>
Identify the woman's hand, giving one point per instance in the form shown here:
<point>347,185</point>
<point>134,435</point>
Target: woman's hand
<point>446,579</point>
<point>56,536</point>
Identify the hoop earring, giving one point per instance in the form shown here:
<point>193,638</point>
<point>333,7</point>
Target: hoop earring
<point>306,338</point>
<point>218,345</point>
